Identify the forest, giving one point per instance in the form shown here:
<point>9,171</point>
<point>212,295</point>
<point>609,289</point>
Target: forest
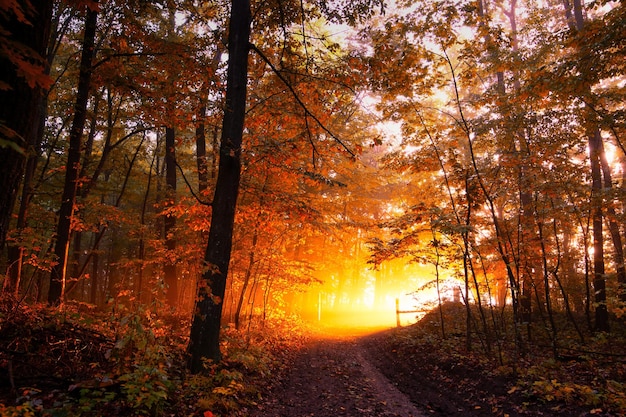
<point>188,186</point>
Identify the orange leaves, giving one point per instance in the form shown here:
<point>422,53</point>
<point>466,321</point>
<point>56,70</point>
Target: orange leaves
<point>28,64</point>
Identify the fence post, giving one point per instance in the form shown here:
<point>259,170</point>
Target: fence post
<point>397,312</point>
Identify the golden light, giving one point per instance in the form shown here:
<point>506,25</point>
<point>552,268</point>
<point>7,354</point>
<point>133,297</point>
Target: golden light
<point>371,303</point>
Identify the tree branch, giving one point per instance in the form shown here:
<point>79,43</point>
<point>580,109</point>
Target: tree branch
<point>299,100</point>
<point>193,193</point>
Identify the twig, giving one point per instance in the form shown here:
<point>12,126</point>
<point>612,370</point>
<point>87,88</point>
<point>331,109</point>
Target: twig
<point>193,193</point>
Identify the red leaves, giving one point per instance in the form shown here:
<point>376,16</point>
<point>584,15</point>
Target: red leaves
<point>28,64</point>
<point>12,6</point>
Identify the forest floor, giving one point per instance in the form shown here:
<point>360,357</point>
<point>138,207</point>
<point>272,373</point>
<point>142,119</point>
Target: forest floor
<point>397,373</point>
<point>70,363</point>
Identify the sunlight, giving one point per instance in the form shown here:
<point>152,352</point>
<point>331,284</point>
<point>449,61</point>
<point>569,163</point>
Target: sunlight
<point>347,301</point>
<point>610,153</point>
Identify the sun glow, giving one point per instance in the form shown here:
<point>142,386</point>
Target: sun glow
<point>368,301</point>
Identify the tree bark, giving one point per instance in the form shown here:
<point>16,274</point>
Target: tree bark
<point>72,170</point>
<point>169,222</point>
<point>594,138</point>
<point>205,329</point>
<point>19,105</point>
<point>614,229</point>
<point>599,283</point>
<point>203,171</point>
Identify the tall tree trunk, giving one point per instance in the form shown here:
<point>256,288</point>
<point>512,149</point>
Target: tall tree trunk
<point>205,329</point>
<point>576,22</point>
<point>19,105</point>
<point>599,283</point>
<point>246,280</point>
<point>95,279</point>
<point>142,239</point>
<point>203,170</point>
<point>614,229</point>
<point>15,252</point>
<point>169,222</point>
<point>83,191</point>
<point>72,170</point>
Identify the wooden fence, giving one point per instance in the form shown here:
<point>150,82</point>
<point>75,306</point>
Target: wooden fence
<point>398,312</point>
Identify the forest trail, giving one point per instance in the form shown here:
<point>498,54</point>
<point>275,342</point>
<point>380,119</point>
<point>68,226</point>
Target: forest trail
<point>331,377</point>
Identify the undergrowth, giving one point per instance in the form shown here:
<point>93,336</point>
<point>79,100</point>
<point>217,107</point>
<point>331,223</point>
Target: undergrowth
<point>73,361</point>
<point>540,371</point>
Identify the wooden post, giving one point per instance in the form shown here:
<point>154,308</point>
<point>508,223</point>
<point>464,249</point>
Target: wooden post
<point>319,306</point>
<point>398,312</point>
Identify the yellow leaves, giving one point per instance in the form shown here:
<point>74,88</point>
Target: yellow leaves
<point>553,390</point>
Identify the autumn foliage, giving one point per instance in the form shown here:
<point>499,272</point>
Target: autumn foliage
<point>158,169</point>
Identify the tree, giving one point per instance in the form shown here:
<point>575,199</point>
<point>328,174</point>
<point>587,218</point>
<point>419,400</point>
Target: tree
<point>205,328</point>
<point>169,222</point>
<point>72,169</point>
<point>25,29</point>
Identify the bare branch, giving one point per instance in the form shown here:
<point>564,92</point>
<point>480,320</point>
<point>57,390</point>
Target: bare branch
<point>193,193</point>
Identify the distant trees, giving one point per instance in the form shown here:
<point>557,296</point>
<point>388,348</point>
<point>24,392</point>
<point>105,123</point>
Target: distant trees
<point>150,84</point>
<point>507,123</point>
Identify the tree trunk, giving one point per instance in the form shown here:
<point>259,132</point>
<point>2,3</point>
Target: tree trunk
<point>95,279</point>
<point>205,329</point>
<point>142,239</point>
<point>57,276</point>
<point>19,105</point>
<point>577,22</point>
<point>203,171</point>
<point>169,222</point>
<point>246,280</point>
<point>614,229</point>
<point>599,283</point>
<point>15,253</point>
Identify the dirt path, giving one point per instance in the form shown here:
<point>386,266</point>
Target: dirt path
<point>332,377</point>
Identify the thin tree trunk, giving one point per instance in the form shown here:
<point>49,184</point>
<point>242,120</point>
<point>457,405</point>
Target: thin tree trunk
<point>599,283</point>
<point>58,274</point>
<point>95,279</point>
<point>614,227</point>
<point>435,243</point>
<point>144,206</point>
<point>246,280</point>
<point>203,174</point>
<point>15,253</point>
<point>205,329</point>
<point>576,22</point>
<point>169,222</point>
